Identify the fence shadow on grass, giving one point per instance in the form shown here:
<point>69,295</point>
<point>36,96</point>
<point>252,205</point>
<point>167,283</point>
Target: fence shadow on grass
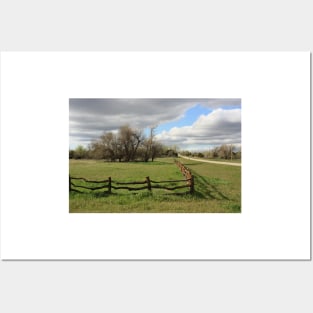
<point>206,190</point>
<point>95,194</point>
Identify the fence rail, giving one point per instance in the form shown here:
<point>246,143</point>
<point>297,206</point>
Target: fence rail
<point>149,184</point>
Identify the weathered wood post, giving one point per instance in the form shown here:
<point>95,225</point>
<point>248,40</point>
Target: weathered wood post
<point>70,183</point>
<point>148,183</point>
<point>110,185</point>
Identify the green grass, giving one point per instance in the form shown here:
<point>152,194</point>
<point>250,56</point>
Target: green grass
<point>227,161</point>
<point>217,188</point>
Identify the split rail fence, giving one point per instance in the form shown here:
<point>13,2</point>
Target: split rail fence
<point>148,183</point>
<point>188,175</point>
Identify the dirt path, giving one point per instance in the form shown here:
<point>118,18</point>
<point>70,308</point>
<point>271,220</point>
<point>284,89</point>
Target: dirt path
<point>207,161</point>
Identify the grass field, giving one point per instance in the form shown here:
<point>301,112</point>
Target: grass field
<point>217,188</point>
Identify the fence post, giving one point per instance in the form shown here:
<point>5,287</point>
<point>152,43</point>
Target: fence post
<point>110,185</point>
<point>192,184</point>
<point>148,183</point>
<point>70,183</point>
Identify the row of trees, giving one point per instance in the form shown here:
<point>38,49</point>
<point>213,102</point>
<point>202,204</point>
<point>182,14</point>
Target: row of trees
<point>128,144</point>
<point>225,152</point>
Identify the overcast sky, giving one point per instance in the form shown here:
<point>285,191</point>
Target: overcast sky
<point>192,124</point>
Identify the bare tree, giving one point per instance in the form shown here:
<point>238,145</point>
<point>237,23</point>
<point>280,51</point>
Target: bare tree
<point>127,144</point>
<point>108,142</point>
<point>144,150</point>
<point>106,147</point>
<point>156,150</point>
<point>225,151</point>
<point>137,138</point>
<point>130,140</point>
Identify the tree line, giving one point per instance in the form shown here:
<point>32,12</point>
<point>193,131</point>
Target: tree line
<point>128,144</point>
<point>226,152</point>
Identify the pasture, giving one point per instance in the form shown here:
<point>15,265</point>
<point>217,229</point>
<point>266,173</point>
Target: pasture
<point>217,188</point>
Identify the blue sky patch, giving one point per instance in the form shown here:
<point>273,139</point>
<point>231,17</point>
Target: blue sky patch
<point>190,116</point>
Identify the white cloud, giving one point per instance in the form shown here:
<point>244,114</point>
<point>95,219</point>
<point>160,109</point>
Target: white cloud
<point>219,127</point>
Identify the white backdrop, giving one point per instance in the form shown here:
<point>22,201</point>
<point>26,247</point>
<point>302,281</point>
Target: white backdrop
<point>275,92</point>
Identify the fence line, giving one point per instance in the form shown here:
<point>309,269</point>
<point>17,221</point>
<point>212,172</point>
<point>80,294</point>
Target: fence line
<point>188,175</point>
<point>149,183</point>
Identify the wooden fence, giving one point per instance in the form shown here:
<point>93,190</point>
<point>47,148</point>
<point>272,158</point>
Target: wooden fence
<point>188,175</point>
<point>148,183</point>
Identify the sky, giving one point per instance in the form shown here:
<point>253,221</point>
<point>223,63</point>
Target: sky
<point>189,124</point>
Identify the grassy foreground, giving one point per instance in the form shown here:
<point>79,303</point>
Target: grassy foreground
<point>217,188</point>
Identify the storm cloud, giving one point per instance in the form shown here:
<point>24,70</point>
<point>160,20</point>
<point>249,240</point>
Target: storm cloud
<point>90,118</point>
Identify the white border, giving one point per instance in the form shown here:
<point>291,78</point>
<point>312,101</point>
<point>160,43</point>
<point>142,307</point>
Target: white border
<point>275,93</point>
